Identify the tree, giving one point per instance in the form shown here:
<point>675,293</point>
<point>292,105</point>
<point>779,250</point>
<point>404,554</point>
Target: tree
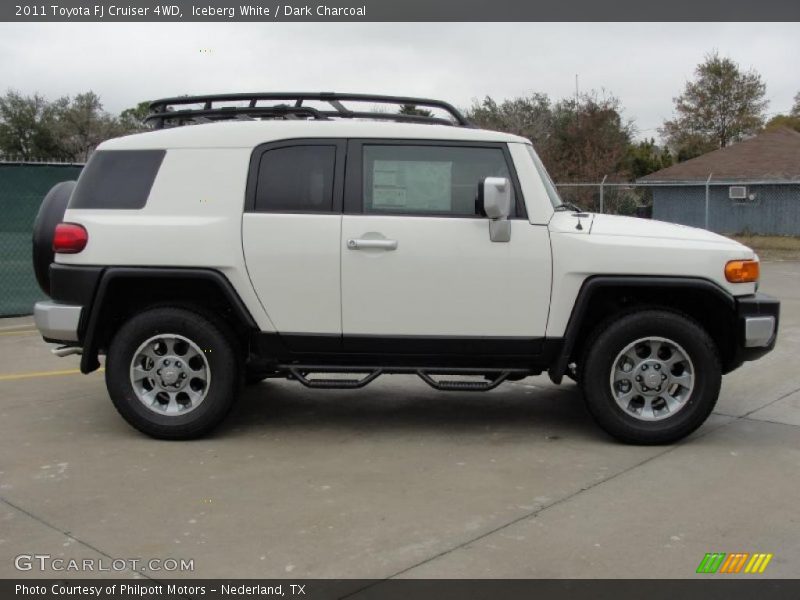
<point>783,122</point>
<point>589,139</point>
<point>33,128</point>
<point>722,105</point>
<point>528,116</point>
<point>27,127</point>
<point>790,121</point>
<point>646,157</point>
<point>688,145</point>
<point>83,124</point>
<point>412,110</point>
<point>578,139</point>
<point>131,120</point>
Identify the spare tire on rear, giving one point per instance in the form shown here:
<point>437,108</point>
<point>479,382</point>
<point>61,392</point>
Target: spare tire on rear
<point>51,213</point>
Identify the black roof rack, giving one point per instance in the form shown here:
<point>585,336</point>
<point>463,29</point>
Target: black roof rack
<point>170,111</point>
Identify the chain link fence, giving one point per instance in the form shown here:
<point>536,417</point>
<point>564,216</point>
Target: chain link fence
<point>22,188</point>
<point>764,207</point>
<point>611,198</point>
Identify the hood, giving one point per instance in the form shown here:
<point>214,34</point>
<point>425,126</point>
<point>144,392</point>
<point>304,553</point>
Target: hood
<point>647,228</point>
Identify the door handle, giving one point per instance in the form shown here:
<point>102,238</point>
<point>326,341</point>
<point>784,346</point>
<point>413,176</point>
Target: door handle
<point>354,244</point>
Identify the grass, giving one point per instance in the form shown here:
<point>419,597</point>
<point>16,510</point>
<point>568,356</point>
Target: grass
<point>772,247</point>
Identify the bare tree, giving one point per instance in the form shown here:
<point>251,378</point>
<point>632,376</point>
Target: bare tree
<point>528,116</point>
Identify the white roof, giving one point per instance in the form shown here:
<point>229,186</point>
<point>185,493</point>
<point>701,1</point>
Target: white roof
<point>249,134</point>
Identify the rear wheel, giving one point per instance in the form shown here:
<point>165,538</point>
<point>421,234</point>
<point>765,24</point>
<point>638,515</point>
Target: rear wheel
<point>172,373</point>
<point>651,377</point>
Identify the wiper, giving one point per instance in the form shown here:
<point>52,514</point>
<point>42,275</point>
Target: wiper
<point>568,206</point>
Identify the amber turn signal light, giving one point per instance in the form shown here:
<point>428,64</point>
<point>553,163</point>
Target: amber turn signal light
<point>742,271</point>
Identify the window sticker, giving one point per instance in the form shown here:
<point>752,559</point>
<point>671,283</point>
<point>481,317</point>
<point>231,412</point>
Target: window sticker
<point>412,185</point>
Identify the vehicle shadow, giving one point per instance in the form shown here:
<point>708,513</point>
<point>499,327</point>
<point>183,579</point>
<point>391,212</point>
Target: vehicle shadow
<point>406,404</point>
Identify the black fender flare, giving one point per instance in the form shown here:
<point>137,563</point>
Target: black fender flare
<point>592,284</point>
<point>89,358</point>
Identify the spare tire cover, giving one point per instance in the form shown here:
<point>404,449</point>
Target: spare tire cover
<point>51,213</point>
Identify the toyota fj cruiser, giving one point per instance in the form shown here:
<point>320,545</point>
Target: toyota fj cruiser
<point>304,235</point>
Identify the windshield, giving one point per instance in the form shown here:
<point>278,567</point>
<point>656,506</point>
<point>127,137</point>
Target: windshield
<point>552,192</point>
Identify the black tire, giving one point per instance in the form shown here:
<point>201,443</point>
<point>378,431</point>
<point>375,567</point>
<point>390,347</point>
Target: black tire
<point>612,338</point>
<point>223,363</point>
<point>51,213</point>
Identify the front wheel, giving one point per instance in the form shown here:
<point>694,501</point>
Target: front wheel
<point>651,377</point>
<point>172,373</point>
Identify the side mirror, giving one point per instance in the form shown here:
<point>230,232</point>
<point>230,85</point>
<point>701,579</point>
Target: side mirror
<point>494,201</point>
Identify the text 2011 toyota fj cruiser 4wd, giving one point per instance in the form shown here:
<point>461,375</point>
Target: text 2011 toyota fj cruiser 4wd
<point>298,235</point>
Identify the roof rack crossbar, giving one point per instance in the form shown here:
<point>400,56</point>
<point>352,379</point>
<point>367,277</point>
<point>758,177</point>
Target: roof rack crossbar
<point>341,108</point>
<point>170,109</point>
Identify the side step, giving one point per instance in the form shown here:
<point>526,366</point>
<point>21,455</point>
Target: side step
<point>457,385</point>
<point>301,374</point>
<point>491,378</point>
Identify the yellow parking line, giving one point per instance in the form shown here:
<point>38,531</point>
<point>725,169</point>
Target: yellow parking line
<point>20,332</point>
<point>17,326</point>
<point>33,374</point>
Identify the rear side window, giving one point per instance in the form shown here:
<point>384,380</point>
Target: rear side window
<point>296,179</point>
<point>427,180</point>
<point>117,179</point>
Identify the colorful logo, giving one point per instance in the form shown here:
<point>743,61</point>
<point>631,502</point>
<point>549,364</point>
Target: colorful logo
<point>736,562</point>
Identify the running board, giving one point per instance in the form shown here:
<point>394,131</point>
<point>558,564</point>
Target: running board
<point>491,377</point>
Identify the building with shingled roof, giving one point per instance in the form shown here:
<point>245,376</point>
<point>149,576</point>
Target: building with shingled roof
<point>752,186</point>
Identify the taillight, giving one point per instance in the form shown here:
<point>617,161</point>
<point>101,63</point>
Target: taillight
<point>742,271</point>
<point>69,238</point>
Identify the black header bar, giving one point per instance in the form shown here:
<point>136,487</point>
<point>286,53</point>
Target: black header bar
<point>703,587</point>
<point>399,10</point>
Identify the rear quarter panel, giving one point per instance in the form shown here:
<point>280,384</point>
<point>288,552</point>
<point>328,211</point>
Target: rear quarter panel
<point>192,218</point>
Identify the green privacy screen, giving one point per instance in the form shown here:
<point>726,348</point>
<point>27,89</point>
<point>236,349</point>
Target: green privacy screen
<point>22,187</point>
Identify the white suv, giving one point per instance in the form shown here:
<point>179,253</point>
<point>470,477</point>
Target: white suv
<point>312,237</point>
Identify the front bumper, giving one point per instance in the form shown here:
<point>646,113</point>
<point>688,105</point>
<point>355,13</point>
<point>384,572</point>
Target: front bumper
<point>57,322</point>
<point>757,317</point>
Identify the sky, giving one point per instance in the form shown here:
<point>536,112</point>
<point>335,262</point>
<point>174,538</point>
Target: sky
<point>644,64</point>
